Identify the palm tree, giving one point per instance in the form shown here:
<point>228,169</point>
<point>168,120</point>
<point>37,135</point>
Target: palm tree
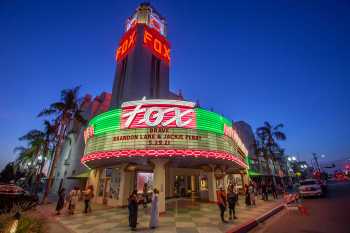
<point>267,137</point>
<point>25,154</point>
<point>65,112</point>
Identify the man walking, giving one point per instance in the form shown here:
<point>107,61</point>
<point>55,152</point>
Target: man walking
<point>232,199</point>
<point>221,196</point>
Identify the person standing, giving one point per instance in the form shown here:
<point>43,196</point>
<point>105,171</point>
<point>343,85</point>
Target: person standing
<point>273,190</point>
<point>264,191</point>
<point>73,199</point>
<point>145,195</point>
<point>221,196</point>
<point>88,195</point>
<point>60,202</point>
<point>231,199</point>
<point>247,196</point>
<point>154,222</point>
<point>133,210</point>
<point>251,190</point>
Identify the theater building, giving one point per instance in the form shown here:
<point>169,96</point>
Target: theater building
<point>152,136</point>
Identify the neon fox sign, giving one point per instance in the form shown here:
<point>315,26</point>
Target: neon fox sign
<point>157,113</point>
<point>152,40</point>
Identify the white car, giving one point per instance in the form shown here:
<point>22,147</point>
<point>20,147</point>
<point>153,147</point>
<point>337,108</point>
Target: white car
<point>310,187</point>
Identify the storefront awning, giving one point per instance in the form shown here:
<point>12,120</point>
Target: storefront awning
<point>83,175</point>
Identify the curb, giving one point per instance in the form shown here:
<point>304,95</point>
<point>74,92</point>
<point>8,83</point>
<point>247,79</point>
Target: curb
<point>245,227</point>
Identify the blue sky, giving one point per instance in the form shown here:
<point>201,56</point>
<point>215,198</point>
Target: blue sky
<point>281,61</point>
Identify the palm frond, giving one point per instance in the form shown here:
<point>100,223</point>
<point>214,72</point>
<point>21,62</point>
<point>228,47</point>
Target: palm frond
<point>267,124</point>
<point>279,135</point>
<point>47,112</point>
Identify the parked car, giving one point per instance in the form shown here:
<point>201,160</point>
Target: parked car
<point>310,187</point>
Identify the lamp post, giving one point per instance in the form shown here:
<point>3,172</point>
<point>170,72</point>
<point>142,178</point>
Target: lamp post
<point>314,155</point>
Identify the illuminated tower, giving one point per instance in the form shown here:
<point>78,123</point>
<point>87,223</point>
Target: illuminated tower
<point>143,58</point>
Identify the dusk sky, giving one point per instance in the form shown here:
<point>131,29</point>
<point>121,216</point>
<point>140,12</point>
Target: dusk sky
<point>278,61</point>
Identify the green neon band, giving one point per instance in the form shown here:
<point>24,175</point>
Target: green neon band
<point>205,120</point>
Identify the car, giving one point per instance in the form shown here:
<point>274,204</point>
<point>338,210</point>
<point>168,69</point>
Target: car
<point>310,187</point>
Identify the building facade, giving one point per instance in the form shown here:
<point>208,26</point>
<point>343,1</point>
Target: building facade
<point>152,138</point>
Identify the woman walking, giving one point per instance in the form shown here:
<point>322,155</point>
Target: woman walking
<point>133,210</point>
<point>60,202</point>
<point>154,222</point>
<point>73,199</point>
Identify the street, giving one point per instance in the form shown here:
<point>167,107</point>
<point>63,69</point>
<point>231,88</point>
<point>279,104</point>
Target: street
<point>330,214</point>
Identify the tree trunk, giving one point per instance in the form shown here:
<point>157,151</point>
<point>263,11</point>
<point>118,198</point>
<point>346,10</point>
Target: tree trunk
<point>56,158</point>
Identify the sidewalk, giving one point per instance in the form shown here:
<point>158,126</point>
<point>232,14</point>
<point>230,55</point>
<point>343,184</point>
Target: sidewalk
<point>182,216</point>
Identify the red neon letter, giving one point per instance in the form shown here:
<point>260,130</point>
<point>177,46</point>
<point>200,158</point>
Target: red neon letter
<point>124,46</point>
<point>157,45</point>
<point>147,37</point>
<point>166,53</point>
<point>132,38</point>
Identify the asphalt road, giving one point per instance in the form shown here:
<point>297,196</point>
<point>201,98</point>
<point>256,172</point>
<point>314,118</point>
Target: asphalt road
<point>330,214</point>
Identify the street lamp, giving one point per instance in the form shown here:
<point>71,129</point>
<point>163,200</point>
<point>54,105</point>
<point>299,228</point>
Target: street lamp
<point>294,158</point>
<point>290,159</point>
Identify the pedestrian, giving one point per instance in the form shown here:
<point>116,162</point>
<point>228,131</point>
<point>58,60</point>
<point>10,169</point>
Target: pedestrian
<point>60,202</point>
<point>221,196</point>
<point>154,222</point>
<point>133,210</point>
<point>273,190</point>
<point>145,195</point>
<point>247,196</point>
<point>251,190</point>
<point>264,191</point>
<point>73,199</point>
<point>232,199</point>
<point>88,195</point>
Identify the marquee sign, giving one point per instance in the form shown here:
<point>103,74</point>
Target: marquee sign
<point>162,125</point>
<point>163,142</point>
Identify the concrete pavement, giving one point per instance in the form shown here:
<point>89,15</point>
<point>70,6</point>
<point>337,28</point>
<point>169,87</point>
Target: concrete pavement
<point>183,215</point>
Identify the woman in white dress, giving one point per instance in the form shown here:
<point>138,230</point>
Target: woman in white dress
<point>154,221</point>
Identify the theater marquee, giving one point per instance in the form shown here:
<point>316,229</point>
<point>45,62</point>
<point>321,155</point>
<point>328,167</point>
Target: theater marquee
<point>162,128</point>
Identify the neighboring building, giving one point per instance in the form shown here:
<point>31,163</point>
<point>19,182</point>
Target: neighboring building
<point>69,168</point>
<point>259,167</point>
<point>247,136</point>
<point>246,133</point>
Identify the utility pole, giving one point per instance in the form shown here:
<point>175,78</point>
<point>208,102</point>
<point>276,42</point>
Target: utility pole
<point>316,160</point>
